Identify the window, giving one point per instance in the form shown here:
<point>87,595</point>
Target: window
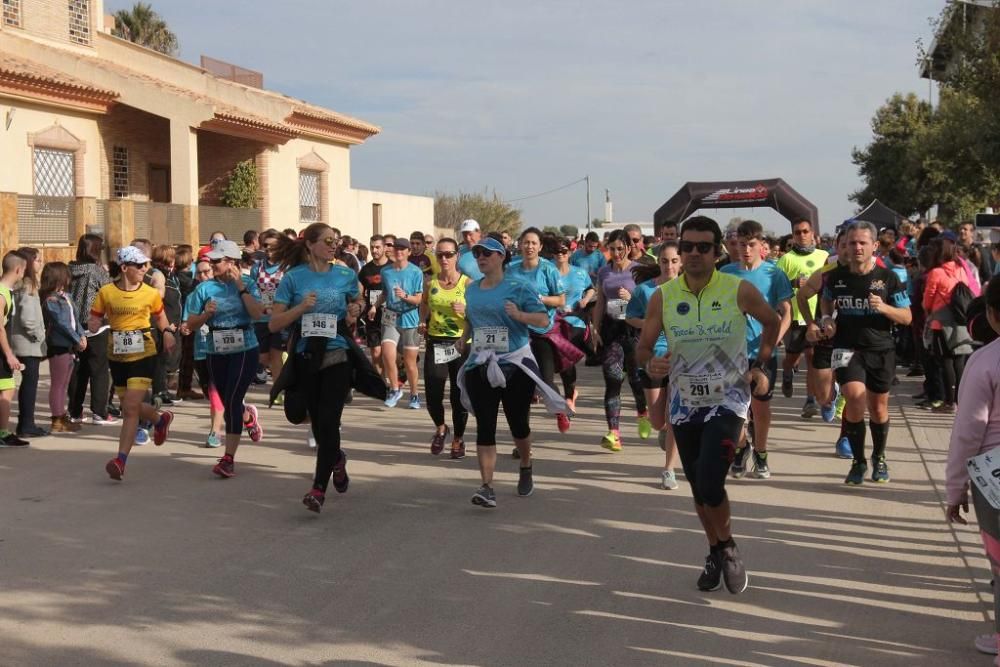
<point>119,173</point>
<point>309,196</point>
<point>54,173</point>
<point>12,13</point>
<point>79,21</point>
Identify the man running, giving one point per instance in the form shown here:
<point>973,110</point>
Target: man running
<point>466,262</point>
<point>370,277</point>
<point>589,257</point>
<point>402,293</point>
<point>703,313</point>
<point>860,303</point>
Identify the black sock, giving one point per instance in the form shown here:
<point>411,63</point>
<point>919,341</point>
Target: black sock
<point>880,434</point>
<point>855,432</point>
<point>715,548</point>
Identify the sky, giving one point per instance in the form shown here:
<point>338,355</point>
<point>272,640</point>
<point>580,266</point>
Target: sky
<point>519,98</point>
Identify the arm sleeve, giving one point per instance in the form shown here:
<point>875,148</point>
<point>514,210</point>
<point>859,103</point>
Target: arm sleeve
<point>897,293</point>
<point>286,290</point>
<point>195,303</point>
<point>31,318</point>
<point>528,301</point>
<point>251,286</point>
<point>781,287</point>
<point>59,319</point>
<point>97,309</point>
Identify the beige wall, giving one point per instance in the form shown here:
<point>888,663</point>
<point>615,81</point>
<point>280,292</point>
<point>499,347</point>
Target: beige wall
<point>401,214</point>
<point>283,182</point>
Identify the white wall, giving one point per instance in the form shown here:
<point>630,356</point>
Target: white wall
<point>402,214</point>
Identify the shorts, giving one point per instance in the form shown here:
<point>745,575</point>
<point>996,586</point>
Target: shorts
<point>707,450</point>
<point>266,340</point>
<point>875,368</point>
<point>407,338</point>
<point>795,339</point>
<point>373,330</point>
<point>772,377</point>
<point>136,374</point>
<point>649,383</point>
<point>6,375</point>
<point>822,355</point>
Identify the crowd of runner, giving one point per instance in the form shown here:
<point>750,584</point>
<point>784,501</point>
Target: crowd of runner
<point>691,320</point>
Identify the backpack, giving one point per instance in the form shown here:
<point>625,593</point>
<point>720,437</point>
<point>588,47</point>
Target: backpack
<point>961,297</point>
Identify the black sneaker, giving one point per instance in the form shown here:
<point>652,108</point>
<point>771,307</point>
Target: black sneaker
<point>484,497</point>
<point>525,485</point>
<point>31,432</point>
<point>787,379</point>
<point>114,411</point>
<point>733,572</point>
<point>11,440</point>
<point>710,578</point>
<point>739,466</point>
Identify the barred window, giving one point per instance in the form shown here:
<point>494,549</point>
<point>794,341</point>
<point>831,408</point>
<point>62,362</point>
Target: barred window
<point>12,13</point>
<point>79,21</point>
<point>54,173</point>
<point>309,196</point>
<point>119,173</point>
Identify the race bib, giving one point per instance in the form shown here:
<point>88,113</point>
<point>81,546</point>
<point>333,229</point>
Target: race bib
<point>267,299</point>
<point>322,325</point>
<point>984,471</point>
<point>445,352</point>
<point>373,296</point>
<point>702,390</point>
<point>841,357</point>
<point>616,309</point>
<point>389,317</point>
<point>225,341</point>
<point>128,342</point>
<point>491,338</point>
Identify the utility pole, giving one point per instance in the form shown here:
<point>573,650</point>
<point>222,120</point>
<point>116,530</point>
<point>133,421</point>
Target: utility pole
<point>588,202</point>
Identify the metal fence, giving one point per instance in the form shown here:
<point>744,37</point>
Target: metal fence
<point>46,219</point>
<point>230,221</point>
<point>160,223</point>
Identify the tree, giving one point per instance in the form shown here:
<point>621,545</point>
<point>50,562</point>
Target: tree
<point>491,212</point>
<point>243,189</point>
<point>549,229</point>
<point>569,231</point>
<point>143,26</point>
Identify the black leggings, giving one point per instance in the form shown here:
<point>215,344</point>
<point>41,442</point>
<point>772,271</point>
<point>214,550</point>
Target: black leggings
<point>707,450</point>
<point>486,400</point>
<point>325,392</point>
<point>92,368</point>
<point>545,356</point>
<point>569,375</point>
<point>952,366</point>
<point>27,393</point>
<point>231,374</point>
<point>435,376</point>
<point>618,363</point>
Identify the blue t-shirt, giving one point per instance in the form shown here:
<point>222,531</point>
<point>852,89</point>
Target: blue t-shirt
<point>200,346</point>
<point>333,289</point>
<point>484,308</point>
<point>589,263</point>
<point>577,281</point>
<point>773,284</point>
<point>904,277</point>
<point>267,277</point>
<point>230,312</point>
<point>411,279</point>
<point>467,264</point>
<point>545,278</point>
<point>636,309</point>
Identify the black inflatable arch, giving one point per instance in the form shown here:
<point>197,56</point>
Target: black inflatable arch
<point>773,192</point>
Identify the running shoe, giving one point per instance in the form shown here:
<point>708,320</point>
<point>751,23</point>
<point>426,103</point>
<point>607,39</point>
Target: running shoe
<point>739,466</point>
<point>930,405</point>
<point>437,442</point>
<point>644,426</point>
<point>213,440</point>
<point>710,578</point>
<point>829,412</point>
<point>110,420</point>
<point>279,399</point>
<point>260,377</point>
<point>252,425</point>
<point>856,477</point>
<point>414,402</point>
<point>844,450</point>
<point>733,571</point>
<point>225,468</point>
<point>114,411</point>
<point>986,644</point>
<point>668,481</point>
<point>314,500</point>
<point>115,469</point>
<point>458,449</point>
<point>839,405</point>
<point>787,378</point>
<point>167,399</point>
<point>340,478</point>
<point>945,408</point>
<point>141,437</point>
<point>880,471</point>
<point>810,409</point>
<point>612,441</point>
<point>760,469</point>
<point>484,497</point>
<point>661,438</point>
<point>525,484</point>
<point>162,428</point>
<point>31,432</point>
<point>11,440</point>
<point>393,398</point>
<point>562,421</point>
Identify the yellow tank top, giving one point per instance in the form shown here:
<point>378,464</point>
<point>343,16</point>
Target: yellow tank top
<point>444,321</point>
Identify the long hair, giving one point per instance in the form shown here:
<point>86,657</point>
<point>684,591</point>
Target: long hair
<point>163,255</point>
<point>643,272</point>
<point>55,278</point>
<point>290,252</point>
<point>30,280</point>
<point>89,248</point>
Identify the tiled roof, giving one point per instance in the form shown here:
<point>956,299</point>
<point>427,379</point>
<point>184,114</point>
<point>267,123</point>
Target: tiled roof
<point>29,72</point>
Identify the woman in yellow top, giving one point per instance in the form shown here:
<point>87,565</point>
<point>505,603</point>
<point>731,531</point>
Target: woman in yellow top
<point>131,307</point>
<point>442,317</point>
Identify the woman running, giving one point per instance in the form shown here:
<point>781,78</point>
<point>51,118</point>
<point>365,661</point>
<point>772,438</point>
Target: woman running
<point>199,346</point>
<point>616,340</point>
<point>648,279</point>
<point>442,317</point>
<point>501,369</point>
<point>579,293</point>
<point>130,307</point>
<point>267,275</point>
<point>316,295</point>
<point>228,305</point>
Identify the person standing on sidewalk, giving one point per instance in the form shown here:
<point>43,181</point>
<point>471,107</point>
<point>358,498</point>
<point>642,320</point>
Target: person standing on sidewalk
<point>64,338</point>
<point>28,343</point>
<point>14,266</point>
<point>89,276</point>
<point>703,313</point>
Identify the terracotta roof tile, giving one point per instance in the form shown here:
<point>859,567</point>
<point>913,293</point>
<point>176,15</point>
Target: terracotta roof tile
<point>36,72</point>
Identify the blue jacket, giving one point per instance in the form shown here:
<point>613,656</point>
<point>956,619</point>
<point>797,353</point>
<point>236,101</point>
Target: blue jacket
<point>62,327</point>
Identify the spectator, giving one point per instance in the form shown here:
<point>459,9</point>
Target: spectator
<point>27,340</point>
<point>184,278</point>
<point>167,363</point>
<point>88,276</point>
<point>64,336</point>
<point>14,265</point>
<point>949,342</point>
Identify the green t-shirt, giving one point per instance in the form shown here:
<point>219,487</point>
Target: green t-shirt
<point>795,266</point>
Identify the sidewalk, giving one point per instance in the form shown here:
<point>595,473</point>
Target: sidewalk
<point>176,567</point>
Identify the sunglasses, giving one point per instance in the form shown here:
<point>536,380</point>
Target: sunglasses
<point>445,254</point>
<point>133,265</point>
<point>562,251</point>
<point>331,241</point>
<point>479,251</point>
<point>389,245</point>
<point>213,262</point>
<point>703,247</point>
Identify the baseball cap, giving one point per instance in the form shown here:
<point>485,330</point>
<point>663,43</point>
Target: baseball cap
<point>949,235</point>
<point>469,225</point>
<point>401,242</point>
<point>131,255</point>
<point>223,249</point>
<point>491,244</point>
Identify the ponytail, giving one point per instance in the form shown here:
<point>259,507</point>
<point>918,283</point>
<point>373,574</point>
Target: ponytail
<point>289,252</point>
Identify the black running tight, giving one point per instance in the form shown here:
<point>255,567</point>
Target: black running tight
<point>325,393</point>
<point>231,375</point>
<point>435,376</point>
<point>486,400</point>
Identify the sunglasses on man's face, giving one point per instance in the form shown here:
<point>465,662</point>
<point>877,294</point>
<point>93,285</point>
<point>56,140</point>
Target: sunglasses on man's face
<point>445,254</point>
<point>213,262</point>
<point>478,252</point>
<point>703,247</point>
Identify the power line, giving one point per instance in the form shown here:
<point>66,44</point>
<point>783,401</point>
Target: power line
<point>547,192</point>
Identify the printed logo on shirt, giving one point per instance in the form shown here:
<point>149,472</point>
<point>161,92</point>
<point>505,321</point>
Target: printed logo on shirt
<point>716,306</point>
<point>683,308</point>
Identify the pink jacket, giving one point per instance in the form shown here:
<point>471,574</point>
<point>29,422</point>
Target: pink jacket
<point>940,283</point>
<point>977,423</point>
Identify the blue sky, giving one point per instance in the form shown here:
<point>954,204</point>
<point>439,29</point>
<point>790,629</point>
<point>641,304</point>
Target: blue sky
<point>521,97</point>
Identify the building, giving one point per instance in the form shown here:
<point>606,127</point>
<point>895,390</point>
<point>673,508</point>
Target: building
<point>97,133</point>
<point>960,16</point>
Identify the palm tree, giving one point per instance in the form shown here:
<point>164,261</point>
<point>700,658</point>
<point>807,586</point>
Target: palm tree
<point>143,26</point>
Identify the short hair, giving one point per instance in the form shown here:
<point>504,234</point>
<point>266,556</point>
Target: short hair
<point>750,229</point>
<point>799,221</point>
<point>163,255</point>
<point>249,236</point>
<point>702,223</point>
<point>592,237</point>
<point>863,226</point>
<point>376,237</point>
<point>12,260</point>
<point>632,227</point>
<point>417,236</point>
<point>669,223</point>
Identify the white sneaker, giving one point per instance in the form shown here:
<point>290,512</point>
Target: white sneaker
<point>986,644</point>
<point>312,442</point>
<point>668,481</point>
<point>101,421</point>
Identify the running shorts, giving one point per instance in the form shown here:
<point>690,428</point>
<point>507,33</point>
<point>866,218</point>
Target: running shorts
<point>267,340</point>
<point>822,354</point>
<point>407,338</point>
<point>772,377</point>
<point>6,374</point>
<point>136,374</point>
<point>795,339</point>
<point>649,383</point>
<point>875,368</point>
<point>707,450</point>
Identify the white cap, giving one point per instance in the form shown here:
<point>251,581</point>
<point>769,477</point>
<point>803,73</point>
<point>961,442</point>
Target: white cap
<point>469,225</point>
<point>224,248</point>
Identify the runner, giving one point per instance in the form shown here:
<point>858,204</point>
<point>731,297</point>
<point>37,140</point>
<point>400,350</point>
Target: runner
<point>442,320</point>
<point>500,369</point>
<point>648,280</point>
<point>466,260</point>
<point>418,256</point>
<point>266,276</point>
<point>402,292</point>
<point>316,295</point>
<point>229,305</point>
<point>130,307</point>
<point>615,340</point>
<point>860,303</point>
<point>371,285</point>
<point>203,273</point>
<point>771,282</point>
<point>589,257</point>
<point>703,314</point>
<point>579,296</point>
